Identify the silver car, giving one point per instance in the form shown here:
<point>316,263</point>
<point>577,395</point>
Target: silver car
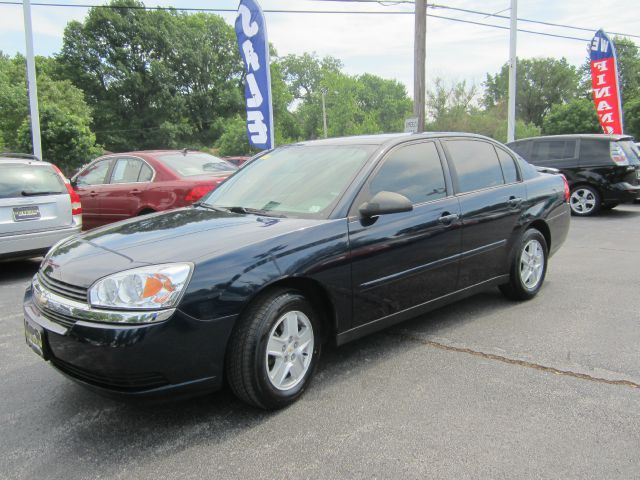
<point>38,208</point>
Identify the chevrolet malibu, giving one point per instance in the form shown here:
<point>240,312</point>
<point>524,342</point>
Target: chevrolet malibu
<point>321,241</point>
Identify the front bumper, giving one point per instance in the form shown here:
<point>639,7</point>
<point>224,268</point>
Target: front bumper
<point>175,353</point>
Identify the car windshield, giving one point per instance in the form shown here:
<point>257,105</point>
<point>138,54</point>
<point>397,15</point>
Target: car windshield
<point>631,151</point>
<point>21,180</point>
<point>190,164</point>
<point>297,180</point>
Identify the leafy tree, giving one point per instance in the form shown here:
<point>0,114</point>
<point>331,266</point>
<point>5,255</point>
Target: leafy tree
<point>632,116</point>
<point>541,83</point>
<point>577,116</point>
<point>304,73</point>
<point>155,78</point>
<point>65,118</point>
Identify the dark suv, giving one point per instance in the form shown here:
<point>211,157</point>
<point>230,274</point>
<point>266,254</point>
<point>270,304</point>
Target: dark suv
<point>603,170</point>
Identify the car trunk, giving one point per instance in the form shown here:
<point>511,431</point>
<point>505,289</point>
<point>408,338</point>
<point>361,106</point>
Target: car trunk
<point>32,198</point>
<point>632,173</point>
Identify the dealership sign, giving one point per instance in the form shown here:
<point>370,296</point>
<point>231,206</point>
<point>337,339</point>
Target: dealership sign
<point>251,32</point>
<point>605,84</point>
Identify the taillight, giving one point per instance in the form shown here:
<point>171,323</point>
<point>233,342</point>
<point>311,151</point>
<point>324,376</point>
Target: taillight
<point>567,191</point>
<point>76,206</point>
<point>196,193</point>
<point>617,154</point>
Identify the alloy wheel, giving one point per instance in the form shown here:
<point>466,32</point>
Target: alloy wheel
<point>583,201</point>
<point>531,264</point>
<point>289,350</point>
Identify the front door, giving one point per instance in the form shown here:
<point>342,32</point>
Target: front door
<point>403,260</point>
<point>90,184</point>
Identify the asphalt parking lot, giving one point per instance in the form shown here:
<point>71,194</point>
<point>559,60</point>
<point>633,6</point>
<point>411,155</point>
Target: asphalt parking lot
<point>486,388</point>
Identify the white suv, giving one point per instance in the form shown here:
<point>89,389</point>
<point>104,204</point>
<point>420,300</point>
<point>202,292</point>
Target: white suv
<point>38,207</point>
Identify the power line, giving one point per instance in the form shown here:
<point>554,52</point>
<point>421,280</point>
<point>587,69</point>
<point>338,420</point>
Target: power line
<point>476,12</point>
<point>230,10</point>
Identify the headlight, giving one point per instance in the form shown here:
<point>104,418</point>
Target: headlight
<point>145,288</point>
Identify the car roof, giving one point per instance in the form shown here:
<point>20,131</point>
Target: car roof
<point>21,159</point>
<point>573,136</point>
<point>387,138</point>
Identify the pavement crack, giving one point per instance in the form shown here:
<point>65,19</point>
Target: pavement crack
<point>512,361</point>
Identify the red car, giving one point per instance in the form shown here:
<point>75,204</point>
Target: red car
<point>123,185</point>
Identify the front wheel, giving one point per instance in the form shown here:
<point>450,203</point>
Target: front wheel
<point>584,201</point>
<point>528,268</point>
<point>274,349</point>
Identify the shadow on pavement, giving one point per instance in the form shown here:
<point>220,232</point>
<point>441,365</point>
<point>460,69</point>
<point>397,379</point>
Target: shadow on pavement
<point>18,270</point>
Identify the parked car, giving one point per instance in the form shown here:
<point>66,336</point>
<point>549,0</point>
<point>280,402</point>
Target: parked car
<point>603,170</point>
<point>326,240</point>
<point>38,207</point>
<point>124,185</point>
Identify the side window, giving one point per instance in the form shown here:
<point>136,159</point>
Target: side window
<point>549,152</point>
<point>509,169</point>
<point>476,164</point>
<point>146,174</point>
<point>126,170</point>
<point>414,171</point>
<point>94,174</point>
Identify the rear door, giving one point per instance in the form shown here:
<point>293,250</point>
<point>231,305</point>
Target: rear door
<point>488,184</point>
<point>90,185</point>
<point>33,197</point>
<point>124,196</point>
<point>406,259</point>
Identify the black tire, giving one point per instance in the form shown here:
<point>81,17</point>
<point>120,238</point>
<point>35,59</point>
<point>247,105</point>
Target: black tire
<point>591,195</point>
<point>246,363</point>
<point>516,289</point>
<point>146,212</point>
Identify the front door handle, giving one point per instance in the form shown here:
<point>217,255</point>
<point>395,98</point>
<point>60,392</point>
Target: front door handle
<point>93,193</point>
<point>447,218</point>
<point>515,201</point>
<point>135,191</point>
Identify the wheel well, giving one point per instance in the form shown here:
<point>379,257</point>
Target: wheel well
<point>317,296</point>
<point>146,211</point>
<point>543,228</point>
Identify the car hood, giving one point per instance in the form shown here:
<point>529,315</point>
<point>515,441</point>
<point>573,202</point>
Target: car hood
<point>182,235</point>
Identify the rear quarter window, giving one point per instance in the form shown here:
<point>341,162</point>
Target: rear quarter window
<point>594,152</point>
<point>554,153</point>
<point>17,180</point>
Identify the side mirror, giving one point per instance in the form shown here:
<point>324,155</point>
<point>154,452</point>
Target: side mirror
<point>385,202</point>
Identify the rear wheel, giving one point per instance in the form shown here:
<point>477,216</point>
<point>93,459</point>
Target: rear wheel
<point>584,201</point>
<point>274,349</point>
<point>528,268</point>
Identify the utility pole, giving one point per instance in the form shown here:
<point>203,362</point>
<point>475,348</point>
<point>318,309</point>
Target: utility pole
<point>31,81</point>
<point>419,54</point>
<point>511,114</point>
<point>324,111</point>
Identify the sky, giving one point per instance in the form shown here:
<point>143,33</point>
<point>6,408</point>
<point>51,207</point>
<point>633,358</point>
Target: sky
<point>383,44</point>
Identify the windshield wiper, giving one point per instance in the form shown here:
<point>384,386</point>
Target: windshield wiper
<point>210,207</point>
<point>255,211</point>
<point>30,194</point>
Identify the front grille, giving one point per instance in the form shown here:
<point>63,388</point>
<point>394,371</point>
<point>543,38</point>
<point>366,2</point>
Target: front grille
<point>128,382</point>
<point>63,289</point>
<point>59,318</point>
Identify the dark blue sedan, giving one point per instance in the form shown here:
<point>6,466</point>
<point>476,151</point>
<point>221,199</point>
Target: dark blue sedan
<point>322,241</point>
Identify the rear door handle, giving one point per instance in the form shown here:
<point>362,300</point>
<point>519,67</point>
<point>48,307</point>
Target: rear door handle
<point>135,191</point>
<point>515,201</point>
<point>447,218</point>
<point>93,193</point>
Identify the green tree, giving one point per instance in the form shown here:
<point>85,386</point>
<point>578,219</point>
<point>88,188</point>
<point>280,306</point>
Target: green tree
<point>154,78</point>
<point>577,116</point>
<point>541,83</point>
<point>65,118</point>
